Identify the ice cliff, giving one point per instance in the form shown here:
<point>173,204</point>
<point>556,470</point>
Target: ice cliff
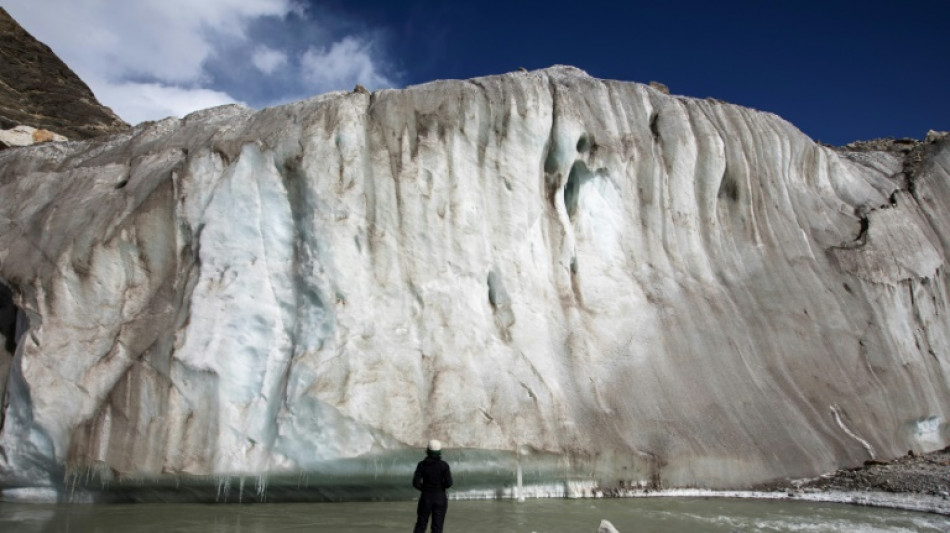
<point>643,287</point>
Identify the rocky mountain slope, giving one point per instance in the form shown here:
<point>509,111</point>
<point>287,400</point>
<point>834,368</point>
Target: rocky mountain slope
<point>37,89</point>
<point>618,283</point>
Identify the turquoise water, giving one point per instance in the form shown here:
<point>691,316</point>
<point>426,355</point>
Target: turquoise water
<point>667,515</point>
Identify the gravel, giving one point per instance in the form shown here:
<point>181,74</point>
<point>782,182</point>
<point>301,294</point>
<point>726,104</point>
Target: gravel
<point>925,474</point>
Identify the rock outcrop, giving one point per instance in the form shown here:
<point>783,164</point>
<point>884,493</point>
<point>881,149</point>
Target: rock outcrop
<point>636,286</point>
<point>37,89</point>
<point>27,136</point>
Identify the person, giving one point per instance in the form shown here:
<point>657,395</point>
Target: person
<point>432,477</point>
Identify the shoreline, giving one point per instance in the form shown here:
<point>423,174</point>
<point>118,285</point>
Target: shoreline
<point>905,501</point>
<point>889,500</point>
<point>913,482</point>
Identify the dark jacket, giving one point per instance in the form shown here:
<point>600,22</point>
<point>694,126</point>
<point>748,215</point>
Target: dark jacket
<point>432,474</point>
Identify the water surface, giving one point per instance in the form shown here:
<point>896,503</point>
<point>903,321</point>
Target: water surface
<point>666,515</point>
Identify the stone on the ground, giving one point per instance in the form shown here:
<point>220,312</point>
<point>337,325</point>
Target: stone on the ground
<point>26,136</point>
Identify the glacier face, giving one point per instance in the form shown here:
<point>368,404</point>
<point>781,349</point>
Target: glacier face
<point>647,286</point>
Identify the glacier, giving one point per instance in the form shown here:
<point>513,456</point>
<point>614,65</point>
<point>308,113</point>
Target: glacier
<point>597,280</point>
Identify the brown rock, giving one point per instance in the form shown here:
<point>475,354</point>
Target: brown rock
<point>38,89</point>
<point>42,136</point>
<point>27,135</point>
<point>660,87</point>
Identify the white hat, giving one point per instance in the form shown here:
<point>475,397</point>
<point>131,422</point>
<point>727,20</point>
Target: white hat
<point>435,446</point>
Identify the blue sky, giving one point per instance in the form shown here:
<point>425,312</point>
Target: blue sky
<point>839,71</point>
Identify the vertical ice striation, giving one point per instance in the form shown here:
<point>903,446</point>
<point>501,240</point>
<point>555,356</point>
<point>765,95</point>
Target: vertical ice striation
<point>645,286</point>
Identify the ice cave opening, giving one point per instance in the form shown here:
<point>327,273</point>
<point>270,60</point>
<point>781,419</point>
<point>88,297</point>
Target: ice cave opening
<point>8,314</point>
<point>10,332</point>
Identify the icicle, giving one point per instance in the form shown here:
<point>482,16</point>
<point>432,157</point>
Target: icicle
<point>224,488</point>
<point>519,488</point>
<point>261,487</point>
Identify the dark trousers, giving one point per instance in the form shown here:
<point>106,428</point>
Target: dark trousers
<point>431,503</point>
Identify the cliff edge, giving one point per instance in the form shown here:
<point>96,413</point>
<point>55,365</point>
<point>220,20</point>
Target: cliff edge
<point>590,277</point>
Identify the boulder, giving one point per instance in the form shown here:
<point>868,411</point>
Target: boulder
<point>26,136</point>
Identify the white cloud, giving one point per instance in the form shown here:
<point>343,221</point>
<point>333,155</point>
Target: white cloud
<point>165,39</point>
<point>147,59</point>
<point>342,65</point>
<point>138,102</point>
<point>267,60</point>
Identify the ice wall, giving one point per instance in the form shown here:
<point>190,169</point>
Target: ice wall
<point>650,287</point>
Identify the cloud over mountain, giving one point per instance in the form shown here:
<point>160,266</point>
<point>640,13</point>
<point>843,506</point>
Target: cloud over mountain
<point>154,58</point>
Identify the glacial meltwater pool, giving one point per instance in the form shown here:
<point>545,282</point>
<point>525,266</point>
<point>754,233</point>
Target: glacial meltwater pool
<point>666,515</point>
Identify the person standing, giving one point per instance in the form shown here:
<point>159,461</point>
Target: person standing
<point>432,477</point>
